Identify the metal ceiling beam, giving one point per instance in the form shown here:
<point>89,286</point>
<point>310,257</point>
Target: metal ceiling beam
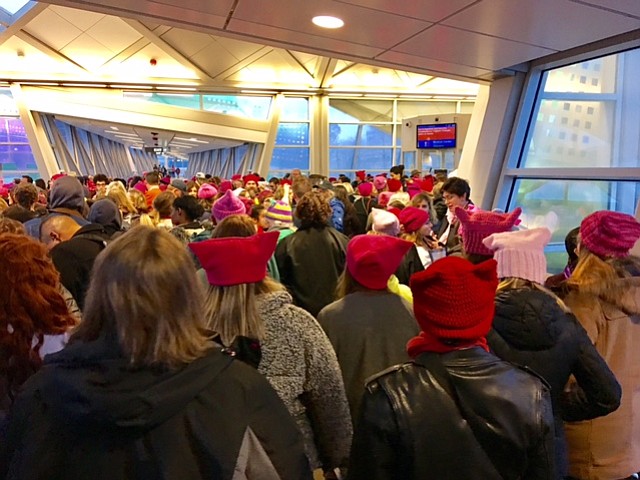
<point>22,21</point>
<point>47,49</point>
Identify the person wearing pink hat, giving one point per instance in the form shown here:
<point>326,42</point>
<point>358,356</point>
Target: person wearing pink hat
<point>416,228</point>
<point>533,328</point>
<point>254,316</point>
<point>455,411</point>
<point>477,225</point>
<point>228,204</point>
<point>368,325</point>
<point>604,294</point>
<point>363,205</point>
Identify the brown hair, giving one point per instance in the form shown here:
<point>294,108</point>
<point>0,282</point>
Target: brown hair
<point>31,306</point>
<point>163,204</point>
<point>235,226</point>
<point>9,225</point>
<point>313,210</point>
<point>26,195</point>
<point>150,299</point>
<point>347,284</point>
<point>514,283</point>
<point>138,200</point>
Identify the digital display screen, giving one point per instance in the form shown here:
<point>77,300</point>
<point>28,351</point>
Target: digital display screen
<point>438,135</point>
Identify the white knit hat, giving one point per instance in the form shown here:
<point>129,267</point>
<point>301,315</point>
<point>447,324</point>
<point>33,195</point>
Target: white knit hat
<point>520,253</point>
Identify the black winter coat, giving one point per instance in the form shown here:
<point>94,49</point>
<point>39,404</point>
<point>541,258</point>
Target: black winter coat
<point>411,429</point>
<point>88,414</point>
<point>532,330</point>
<point>310,262</point>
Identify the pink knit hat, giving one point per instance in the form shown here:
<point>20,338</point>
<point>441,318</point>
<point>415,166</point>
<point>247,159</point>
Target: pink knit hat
<point>609,234</point>
<point>227,205</point>
<point>520,253</point>
<point>384,222</point>
<point>365,189</point>
<point>413,218</point>
<point>372,259</point>
<point>379,183</point>
<point>383,198</point>
<point>207,190</point>
<point>480,224</point>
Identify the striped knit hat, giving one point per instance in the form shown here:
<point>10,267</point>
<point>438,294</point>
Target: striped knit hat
<point>280,212</point>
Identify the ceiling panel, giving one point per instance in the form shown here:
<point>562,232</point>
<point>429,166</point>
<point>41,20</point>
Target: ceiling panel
<point>383,30</point>
<point>52,29</point>
<point>630,7</point>
<point>214,59</point>
<point>430,10</point>
<point>299,40</point>
<point>554,24</point>
<point>82,19</point>
<point>469,48</point>
<point>86,51</point>
<point>113,33</point>
<point>187,42</point>
<point>433,65</point>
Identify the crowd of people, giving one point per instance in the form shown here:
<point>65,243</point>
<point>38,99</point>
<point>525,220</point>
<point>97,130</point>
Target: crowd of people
<point>383,327</point>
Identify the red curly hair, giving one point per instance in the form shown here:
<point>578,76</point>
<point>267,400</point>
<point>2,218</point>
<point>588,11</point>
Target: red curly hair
<point>31,306</point>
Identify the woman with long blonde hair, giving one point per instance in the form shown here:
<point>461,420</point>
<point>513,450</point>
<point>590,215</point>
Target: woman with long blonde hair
<point>604,294</point>
<point>295,354</point>
<point>142,392</point>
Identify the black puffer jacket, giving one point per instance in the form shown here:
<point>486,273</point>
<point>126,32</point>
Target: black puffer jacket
<point>532,330</point>
<point>501,426</point>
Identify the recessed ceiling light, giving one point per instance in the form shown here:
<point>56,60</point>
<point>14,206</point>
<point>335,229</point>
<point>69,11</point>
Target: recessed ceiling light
<point>326,21</point>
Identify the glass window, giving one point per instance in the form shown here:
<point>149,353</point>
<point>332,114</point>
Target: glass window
<point>295,109</point>
<point>293,134</point>
<point>242,106</point>
<point>288,158</point>
<point>360,135</point>
<point>184,100</point>
<point>354,110</point>
<point>16,157</point>
<point>593,146</point>
<point>360,158</point>
<point>594,76</point>
<point>562,204</point>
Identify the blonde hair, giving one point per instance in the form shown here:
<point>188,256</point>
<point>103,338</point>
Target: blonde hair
<point>121,199</point>
<point>138,200</point>
<point>149,299</point>
<point>232,311</point>
<point>514,283</point>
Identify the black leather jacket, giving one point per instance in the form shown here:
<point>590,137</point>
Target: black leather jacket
<point>499,427</point>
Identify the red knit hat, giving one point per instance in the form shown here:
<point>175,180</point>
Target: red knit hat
<point>236,260</point>
<point>427,184</point>
<point>250,178</point>
<point>479,224</point>
<point>454,299</point>
<point>609,234</point>
<point>225,185</point>
<point>235,177</point>
<point>394,185</point>
<point>365,189</point>
<point>412,218</point>
<point>372,259</point>
<point>361,174</point>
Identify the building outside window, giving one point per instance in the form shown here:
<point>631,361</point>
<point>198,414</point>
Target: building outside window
<point>581,151</point>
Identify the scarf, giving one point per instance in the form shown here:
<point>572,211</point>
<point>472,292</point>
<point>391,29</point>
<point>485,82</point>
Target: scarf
<point>426,342</point>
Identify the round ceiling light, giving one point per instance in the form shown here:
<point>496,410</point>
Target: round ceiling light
<point>326,21</point>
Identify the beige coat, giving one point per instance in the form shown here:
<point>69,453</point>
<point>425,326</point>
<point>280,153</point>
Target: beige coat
<point>608,448</point>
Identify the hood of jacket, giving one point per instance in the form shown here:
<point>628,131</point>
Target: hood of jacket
<point>91,386</point>
<point>527,318</point>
